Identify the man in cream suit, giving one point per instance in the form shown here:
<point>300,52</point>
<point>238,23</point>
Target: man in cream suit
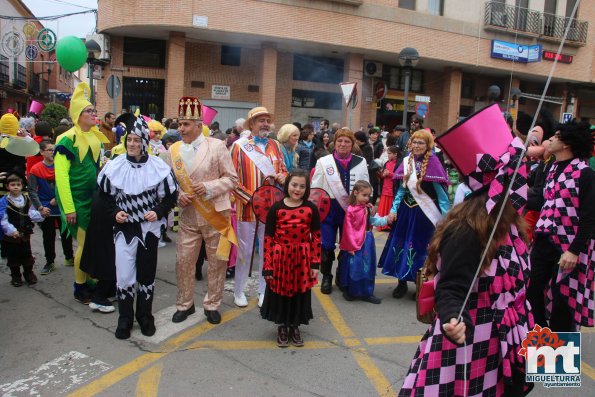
<point>206,175</point>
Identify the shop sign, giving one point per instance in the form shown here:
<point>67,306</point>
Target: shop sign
<point>516,52</point>
<point>552,56</point>
<point>220,92</point>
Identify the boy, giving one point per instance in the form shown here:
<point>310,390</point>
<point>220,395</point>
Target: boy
<point>41,191</point>
<point>17,225</point>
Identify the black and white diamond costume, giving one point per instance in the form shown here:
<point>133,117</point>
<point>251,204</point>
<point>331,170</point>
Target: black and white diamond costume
<point>137,187</point>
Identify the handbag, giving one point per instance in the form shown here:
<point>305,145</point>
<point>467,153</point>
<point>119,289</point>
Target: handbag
<point>425,296</point>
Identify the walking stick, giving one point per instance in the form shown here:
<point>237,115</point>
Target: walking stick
<point>260,206</point>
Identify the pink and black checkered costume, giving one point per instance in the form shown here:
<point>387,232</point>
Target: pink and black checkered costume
<point>559,221</point>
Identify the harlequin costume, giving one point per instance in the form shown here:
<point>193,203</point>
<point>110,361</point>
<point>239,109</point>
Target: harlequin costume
<point>137,187</point>
<point>291,249</point>
<point>76,164</point>
<point>358,271</point>
<point>254,159</point>
<point>497,316</point>
<point>417,214</point>
<point>336,176</point>
<point>207,219</point>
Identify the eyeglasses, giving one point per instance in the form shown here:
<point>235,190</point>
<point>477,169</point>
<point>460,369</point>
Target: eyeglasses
<point>90,111</point>
<point>418,143</point>
<point>414,122</point>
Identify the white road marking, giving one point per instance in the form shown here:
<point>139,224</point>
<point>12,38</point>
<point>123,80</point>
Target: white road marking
<point>165,327</point>
<point>57,376</point>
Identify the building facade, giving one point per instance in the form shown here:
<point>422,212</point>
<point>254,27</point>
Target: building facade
<point>291,55</point>
<point>28,67</point>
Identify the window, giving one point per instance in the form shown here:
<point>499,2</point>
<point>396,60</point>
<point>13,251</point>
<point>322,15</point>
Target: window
<point>569,7</point>
<point>230,56</point>
<point>317,69</point>
<point>407,4</point>
<point>316,99</point>
<point>144,52</point>
<point>467,88</point>
<point>396,78</point>
<point>436,7</point>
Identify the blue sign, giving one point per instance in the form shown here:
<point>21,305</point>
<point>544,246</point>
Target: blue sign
<point>516,52</point>
<point>566,118</point>
<point>422,109</point>
<point>31,52</point>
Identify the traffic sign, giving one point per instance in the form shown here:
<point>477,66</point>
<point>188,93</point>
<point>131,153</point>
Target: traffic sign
<point>422,109</point>
<point>380,90</point>
<point>347,89</point>
<point>566,118</point>
<point>113,86</point>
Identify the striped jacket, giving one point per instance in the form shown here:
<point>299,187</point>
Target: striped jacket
<point>251,178</point>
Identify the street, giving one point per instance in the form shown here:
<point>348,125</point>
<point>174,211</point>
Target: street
<point>52,345</point>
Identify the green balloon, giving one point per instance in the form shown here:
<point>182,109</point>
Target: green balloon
<point>71,53</point>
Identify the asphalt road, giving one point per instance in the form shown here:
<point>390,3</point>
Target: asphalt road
<point>51,345</point>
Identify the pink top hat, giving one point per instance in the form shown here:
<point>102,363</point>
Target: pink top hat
<point>208,114</point>
<point>36,107</point>
<point>484,132</point>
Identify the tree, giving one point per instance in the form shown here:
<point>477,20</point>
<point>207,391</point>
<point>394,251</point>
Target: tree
<point>53,113</point>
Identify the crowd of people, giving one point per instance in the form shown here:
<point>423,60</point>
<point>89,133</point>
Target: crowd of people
<point>115,184</point>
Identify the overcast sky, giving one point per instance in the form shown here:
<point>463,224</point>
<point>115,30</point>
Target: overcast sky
<point>77,25</point>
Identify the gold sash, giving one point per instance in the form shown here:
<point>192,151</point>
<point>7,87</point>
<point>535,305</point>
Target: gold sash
<point>205,208</point>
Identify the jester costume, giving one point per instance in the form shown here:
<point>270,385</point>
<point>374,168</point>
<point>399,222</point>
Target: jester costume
<point>76,163</point>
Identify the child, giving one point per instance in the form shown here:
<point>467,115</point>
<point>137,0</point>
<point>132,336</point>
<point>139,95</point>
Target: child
<point>387,196</point>
<point>17,225</point>
<point>42,193</point>
<point>292,253</point>
<point>357,259</point>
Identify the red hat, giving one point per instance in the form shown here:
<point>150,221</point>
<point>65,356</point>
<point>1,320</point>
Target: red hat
<point>189,108</point>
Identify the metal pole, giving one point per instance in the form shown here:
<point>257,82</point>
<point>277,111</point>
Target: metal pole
<point>406,95</point>
<point>350,114</point>
<point>90,67</point>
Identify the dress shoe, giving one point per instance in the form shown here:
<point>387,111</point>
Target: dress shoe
<point>282,337</point>
<point>372,299</point>
<point>296,337</point>
<point>326,287</point>
<point>213,316</point>
<point>400,290</point>
<point>240,301</point>
<point>182,315</point>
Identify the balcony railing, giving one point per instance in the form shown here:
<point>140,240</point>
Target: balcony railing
<point>20,76</point>
<point>500,16</point>
<point>34,85</point>
<point>4,69</point>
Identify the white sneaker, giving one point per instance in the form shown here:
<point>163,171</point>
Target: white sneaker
<point>260,299</point>
<point>161,244</point>
<point>102,308</point>
<point>241,300</point>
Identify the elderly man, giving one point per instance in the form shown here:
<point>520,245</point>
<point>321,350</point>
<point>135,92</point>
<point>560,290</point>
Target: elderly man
<point>255,159</point>
<point>76,165</point>
<point>206,175</point>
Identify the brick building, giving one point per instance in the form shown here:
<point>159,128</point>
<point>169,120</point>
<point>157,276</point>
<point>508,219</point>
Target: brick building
<point>290,55</point>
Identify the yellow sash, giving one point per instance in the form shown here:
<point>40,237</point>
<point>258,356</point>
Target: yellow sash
<point>205,208</point>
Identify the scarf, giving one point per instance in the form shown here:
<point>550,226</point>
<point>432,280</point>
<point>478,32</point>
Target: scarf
<point>343,162</point>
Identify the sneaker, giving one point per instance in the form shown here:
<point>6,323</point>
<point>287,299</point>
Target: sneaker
<point>101,305</point>
<point>68,262</point>
<point>48,268</point>
<point>260,299</point>
<point>241,300</point>
<point>161,244</point>
<point>282,337</point>
<point>296,337</point>
<point>82,293</point>
<point>372,299</point>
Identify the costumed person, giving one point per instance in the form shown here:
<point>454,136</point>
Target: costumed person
<point>157,130</point>
<point>76,164</point>
<point>563,254</point>
<point>9,161</point>
<point>291,259</point>
<point>419,204</point>
<point>357,259</point>
<point>255,158</point>
<point>480,352</point>
<point>17,226</point>
<point>206,175</point>
<point>336,173</point>
<point>139,190</point>
<point>387,193</point>
<point>42,183</point>
<point>288,137</point>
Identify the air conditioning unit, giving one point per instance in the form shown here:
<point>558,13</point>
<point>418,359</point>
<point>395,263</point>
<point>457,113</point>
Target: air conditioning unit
<point>104,42</point>
<point>372,69</point>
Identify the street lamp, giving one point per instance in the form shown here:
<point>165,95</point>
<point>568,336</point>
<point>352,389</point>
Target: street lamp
<point>94,53</point>
<point>408,58</point>
<point>493,93</point>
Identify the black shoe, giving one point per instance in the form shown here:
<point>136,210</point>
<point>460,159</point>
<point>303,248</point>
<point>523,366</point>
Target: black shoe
<point>347,297</point>
<point>213,316</point>
<point>16,281</point>
<point>372,299</point>
<point>147,325</point>
<point>230,273</point>
<point>82,293</point>
<point>326,287</point>
<point>165,238</point>
<point>400,290</point>
<point>124,327</point>
<point>182,315</point>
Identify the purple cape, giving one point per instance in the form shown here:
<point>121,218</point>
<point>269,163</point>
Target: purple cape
<point>434,171</point>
